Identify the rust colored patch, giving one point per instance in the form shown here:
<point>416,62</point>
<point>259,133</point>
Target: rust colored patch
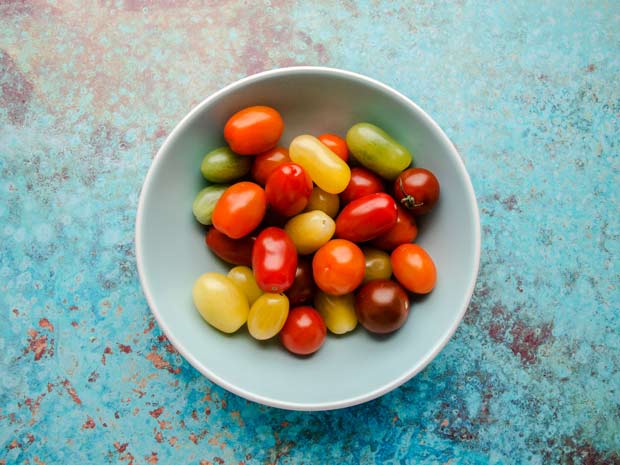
<point>591,68</point>
<point>120,447</point>
<point>71,391</point>
<point>38,461</point>
<point>206,462</point>
<point>75,324</point>
<point>151,458</point>
<point>527,339</point>
<point>125,349</point>
<point>219,460</point>
<point>15,89</point>
<point>16,312</point>
<point>160,363</point>
<point>157,412</point>
<point>94,376</point>
<point>193,438</point>
<point>73,308</point>
<point>14,445</point>
<point>37,345</point>
<point>150,327</point>
<point>574,453</point>
<point>172,441</point>
<point>89,424</point>
<point>45,323</point>
<point>159,437</point>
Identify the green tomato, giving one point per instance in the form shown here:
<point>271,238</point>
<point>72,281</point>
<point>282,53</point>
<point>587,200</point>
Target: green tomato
<point>377,151</point>
<point>224,165</point>
<point>205,201</point>
<point>378,265</point>
<point>220,302</point>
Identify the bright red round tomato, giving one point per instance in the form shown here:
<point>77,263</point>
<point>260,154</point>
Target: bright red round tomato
<point>253,130</point>
<point>336,144</point>
<point>240,209</point>
<point>235,251</point>
<point>366,218</point>
<point>338,267</point>
<point>274,260</point>
<point>417,189</point>
<point>304,331</point>
<point>264,163</point>
<point>404,231</point>
<point>363,182</point>
<point>288,189</point>
<point>414,268</point>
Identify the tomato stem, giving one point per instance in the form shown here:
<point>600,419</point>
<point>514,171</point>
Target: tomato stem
<point>408,200</point>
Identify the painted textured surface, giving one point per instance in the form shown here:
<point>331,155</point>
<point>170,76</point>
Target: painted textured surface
<point>527,91</point>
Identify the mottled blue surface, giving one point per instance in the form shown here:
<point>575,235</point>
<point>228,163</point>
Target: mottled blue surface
<point>528,92</point>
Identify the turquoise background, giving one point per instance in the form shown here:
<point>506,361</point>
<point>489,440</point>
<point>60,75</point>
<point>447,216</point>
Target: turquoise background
<point>528,92</point>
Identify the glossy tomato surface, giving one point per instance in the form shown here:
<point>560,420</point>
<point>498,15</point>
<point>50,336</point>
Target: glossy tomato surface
<point>304,331</point>
<point>336,144</point>
<point>414,268</point>
<point>338,267</point>
<point>417,189</point>
<point>366,218</point>
<point>288,189</point>
<point>253,130</point>
<point>274,260</point>
<point>235,251</point>
<point>363,182</point>
<point>240,209</point>
<point>264,163</point>
<point>405,230</point>
<point>382,306</point>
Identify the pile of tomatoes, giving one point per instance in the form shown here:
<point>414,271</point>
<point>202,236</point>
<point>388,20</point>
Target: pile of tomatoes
<point>315,232</point>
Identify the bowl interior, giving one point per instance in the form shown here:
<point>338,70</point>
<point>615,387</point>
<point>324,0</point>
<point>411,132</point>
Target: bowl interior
<point>350,369</point>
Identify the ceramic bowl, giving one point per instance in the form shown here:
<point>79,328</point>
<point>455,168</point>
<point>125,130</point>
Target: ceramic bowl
<point>350,369</point>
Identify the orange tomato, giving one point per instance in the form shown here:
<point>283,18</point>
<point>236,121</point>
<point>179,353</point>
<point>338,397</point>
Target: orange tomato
<point>336,144</point>
<point>253,130</point>
<point>338,267</point>
<point>414,268</point>
<point>240,209</point>
<point>265,163</point>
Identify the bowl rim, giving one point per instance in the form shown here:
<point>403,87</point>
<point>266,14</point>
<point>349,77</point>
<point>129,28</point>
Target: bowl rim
<point>204,370</point>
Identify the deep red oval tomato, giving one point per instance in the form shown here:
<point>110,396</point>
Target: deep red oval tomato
<point>304,331</point>
<point>264,163</point>
<point>240,209</point>
<point>288,189</point>
<point>366,218</point>
<point>253,130</point>
<point>338,267</point>
<point>404,231</point>
<point>417,189</point>
<point>336,144</point>
<point>235,251</point>
<point>382,306</point>
<point>274,260</point>
<point>414,268</point>
<point>303,286</point>
<point>363,182</point>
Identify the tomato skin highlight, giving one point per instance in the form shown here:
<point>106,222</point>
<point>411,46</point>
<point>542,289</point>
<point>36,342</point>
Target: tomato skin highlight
<point>264,163</point>
<point>366,218</point>
<point>404,231</point>
<point>414,268</point>
<point>274,260</point>
<point>338,267</point>
<point>336,144</point>
<point>234,251</point>
<point>253,130</point>
<point>417,189</point>
<point>363,182</point>
<point>382,306</point>
<point>304,331</point>
<point>288,189</point>
<point>240,209</point>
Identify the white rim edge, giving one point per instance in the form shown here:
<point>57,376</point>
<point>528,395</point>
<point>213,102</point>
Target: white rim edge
<point>266,400</point>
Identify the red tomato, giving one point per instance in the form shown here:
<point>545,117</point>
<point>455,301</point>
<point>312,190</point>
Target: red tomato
<point>404,231</point>
<point>381,306</point>
<point>265,163</point>
<point>235,251</point>
<point>363,182</point>
<point>304,331</point>
<point>336,144</point>
<point>274,260</point>
<point>302,289</point>
<point>338,267</point>
<point>288,189</point>
<point>417,189</point>
<point>366,218</point>
<point>414,268</point>
<point>253,130</point>
<point>240,209</point>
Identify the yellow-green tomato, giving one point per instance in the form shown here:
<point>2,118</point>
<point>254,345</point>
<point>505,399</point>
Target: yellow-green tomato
<point>310,230</point>
<point>220,302</point>
<point>267,315</point>
<point>338,311</point>
<point>327,170</point>
<point>378,265</point>
<point>244,278</point>
<point>324,201</point>
<point>205,201</point>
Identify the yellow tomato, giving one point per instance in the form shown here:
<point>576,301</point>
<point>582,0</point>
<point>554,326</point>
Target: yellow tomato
<point>378,265</point>
<point>338,311</point>
<point>220,302</point>
<point>267,315</point>
<point>310,230</point>
<point>324,201</point>
<point>243,277</point>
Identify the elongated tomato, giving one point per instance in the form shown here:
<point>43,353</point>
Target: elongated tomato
<point>327,170</point>
<point>274,260</point>
<point>240,209</point>
<point>366,218</point>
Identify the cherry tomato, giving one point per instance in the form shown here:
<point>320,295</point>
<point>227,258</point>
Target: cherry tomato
<point>266,162</point>
<point>382,306</point>
<point>363,182</point>
<point>310,230</point>
<point>244,279</point>
<point>267,316</point>
<point>338,311</point>
<point>253,130</point>
<point>240,209</point>
<point>220,302</point>
<point>235,251</point>
<point>404,231</point>
<point>304,331</point>
<point>338,267</point>
<point>288,189</point>
<point>366,218</point>
<point>303,286</point>
<point>414,268</point>
<point>336,144</point>
<point>324,201</point>
<point>417,190</point>
<point>274,260</point>
<point>378,264</point>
